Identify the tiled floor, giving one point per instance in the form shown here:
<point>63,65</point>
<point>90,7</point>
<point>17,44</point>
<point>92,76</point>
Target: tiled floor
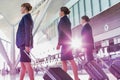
<point>39,77</point>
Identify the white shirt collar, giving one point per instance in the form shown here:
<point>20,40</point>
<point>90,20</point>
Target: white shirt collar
<point>84,24</point>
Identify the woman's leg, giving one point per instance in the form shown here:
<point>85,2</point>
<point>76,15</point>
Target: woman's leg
<point>22,71</point>
<point>30,70</point>
<point>75,69</point>
<point>90,78</point>
<point>64,66</point>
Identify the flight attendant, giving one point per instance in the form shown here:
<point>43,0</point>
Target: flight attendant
<point>64,40</point>
<point>87,39</point>
<point>24,40</point>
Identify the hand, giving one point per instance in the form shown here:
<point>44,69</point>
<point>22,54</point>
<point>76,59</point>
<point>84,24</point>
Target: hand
<point>27,49</point>
<point>58,47</point>
<point>84,49</point>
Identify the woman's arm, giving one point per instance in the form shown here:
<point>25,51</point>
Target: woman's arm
<point>28,30</point>
<point>61,32</point>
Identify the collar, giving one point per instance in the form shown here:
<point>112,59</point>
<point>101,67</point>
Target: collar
<point>84,24</point>
<point>26,14</point>
<point>63,16</point>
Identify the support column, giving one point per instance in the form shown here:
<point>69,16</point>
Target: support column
<point>13,45</point>
<point>12,57</point>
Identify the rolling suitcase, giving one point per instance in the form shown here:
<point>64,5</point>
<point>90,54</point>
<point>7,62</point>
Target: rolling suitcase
<point>115,69</point>
<point>58,73</point>
<point>53,73</point>
<point>95,72</point>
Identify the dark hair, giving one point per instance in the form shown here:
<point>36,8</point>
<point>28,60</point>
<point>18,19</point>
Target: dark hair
<point>86,18</point>
<point>27,6</point>
<point>65,10</point>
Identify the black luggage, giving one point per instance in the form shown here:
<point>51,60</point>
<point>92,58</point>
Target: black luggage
<point>95,72</point>
<point>58,74</point>
<point>115,69</point>
<point>93,69</point>
<point>52,73</point>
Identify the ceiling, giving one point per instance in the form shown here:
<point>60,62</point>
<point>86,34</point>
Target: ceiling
<point>10,9</point>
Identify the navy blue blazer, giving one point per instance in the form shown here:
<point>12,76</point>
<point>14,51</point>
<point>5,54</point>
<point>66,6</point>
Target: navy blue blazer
<point>24,35</point>
<point>87,36</point>
<point>64,31</point>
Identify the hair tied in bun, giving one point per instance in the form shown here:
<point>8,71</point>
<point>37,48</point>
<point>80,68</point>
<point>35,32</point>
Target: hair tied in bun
<point>65,10</point>
<point>27,6</point>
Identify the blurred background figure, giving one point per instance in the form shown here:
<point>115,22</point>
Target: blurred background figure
<point>87,39</point>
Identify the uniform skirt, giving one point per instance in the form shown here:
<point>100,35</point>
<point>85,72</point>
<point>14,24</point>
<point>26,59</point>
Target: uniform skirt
<point>23,56</point>
<point>66,53</point>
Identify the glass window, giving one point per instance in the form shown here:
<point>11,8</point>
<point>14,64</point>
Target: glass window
<point>88,8</point>
<point>56,25</point>
<point>104,4</point>
<point>76,14</point>
<point>68,16</point>
<point>71,17</point>
<point>114,1</point>
<point>82,9</point>
<point>52,31</point>
<point>96,7</point>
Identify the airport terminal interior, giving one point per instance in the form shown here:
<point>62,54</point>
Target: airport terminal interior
<point>104,19</point>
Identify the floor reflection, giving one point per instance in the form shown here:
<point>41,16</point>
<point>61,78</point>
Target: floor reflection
<point>39,77</point>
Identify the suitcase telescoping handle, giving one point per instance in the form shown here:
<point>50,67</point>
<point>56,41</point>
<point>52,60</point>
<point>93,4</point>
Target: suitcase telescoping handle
<point>105,64</point>
<point>79,58</point>
<point>47,72</point>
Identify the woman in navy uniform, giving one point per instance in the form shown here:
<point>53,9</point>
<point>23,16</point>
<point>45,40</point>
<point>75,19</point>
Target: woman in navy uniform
<point>87,39</point>
<point>24,40</point>
<point>64,41</point>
